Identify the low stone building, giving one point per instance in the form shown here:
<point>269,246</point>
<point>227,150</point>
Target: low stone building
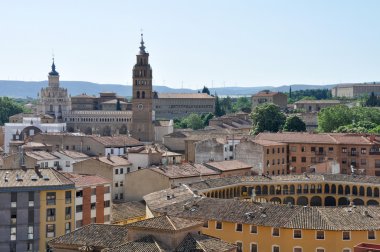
<point>91,145</point>
<point>170,106</point>
<point>314,105</point>
<point>267,96</point>
<point>163,233</point>
<point>265,157</point>
<point>355,90</point>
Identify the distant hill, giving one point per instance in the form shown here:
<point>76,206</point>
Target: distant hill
<point>23,89</point>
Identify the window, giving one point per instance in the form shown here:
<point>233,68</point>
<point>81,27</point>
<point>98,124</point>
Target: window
<point>320,235</point>
<point>303,149</point>
<point>254,247</point>
<point>219,225</point>
<point>93,191</point>
<point>363,151</point>
<point>121,183</point>
<point>79,194</point>
<point>253,229</point>
<point>50,214</point>
<point>30,232</point>
<point>121,196</point>
<point>79,208</point>
<point>312,149</point>
<point>106,189</point>
<point>78,223</point>
<point>116,171</point>
<point>276,232</point>
<point>231,147</point>
<point>13,233</point>
<point>13,199</point>
<point>29,246</point>
<point>128,170</point>
<point>293,148</point>
<point>67,227</point>
<point>303,159</point>
<point>275,248</point>
<point>205,225</point>
<point>31,216</point>
<point>67,163</point>
<point>67,213</point>
<point>93,206</point>
<point>267,151</point>
<point>346,235</point>
<point>239,227</point>
<point>107,203</point>
<point>68,197</point>
<point>50,198</point>
<point>50,230</point>
<point>239,246</point>
<point>31,199</point>
<point>331,149</point>
<point>297,249</point>
<point>371,235</point>
<point>121,170</point>
<point>320,250</point>
<point>283,150</point>
<point>346,250</point>
<point>344,150</point>
<point>297,234</point>
<point>294,159</point>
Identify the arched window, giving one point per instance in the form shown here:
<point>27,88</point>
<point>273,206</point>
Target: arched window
<point>138,94</point>
<point>347,190</point>
<point>369,192</point>
<point>143,94</point>
<point>333,189</point>
<point>376,192</point>
<point>340,189</point>
<point>361,191</point>
<point>292,189</point>
<point>354,190</point>
<point>51,107</point>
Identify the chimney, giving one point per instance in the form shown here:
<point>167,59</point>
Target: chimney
<point>109,156</point>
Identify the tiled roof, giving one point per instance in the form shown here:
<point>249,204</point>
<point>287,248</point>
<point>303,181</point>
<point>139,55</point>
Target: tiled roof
<point>228,165</point>
<point>34,144</point>
<point>184,96</point>
<point>144,244</point>
<point>246,180</point>
<point>184,170</point>
<point>84,180</point>
<point>267,214</point>
<point>166,223</point>
<point>72,154</point>
<point>126,210</point>
<point>98,235</point>
<point>266,94</point>
<point>116,141</point>
<point>113,160</point>
<point>41,155</point>
<point>325,138</point>
<point>30,178</point>
<point>197,242</point>
<point>318,101</point>
<point>267,142</point>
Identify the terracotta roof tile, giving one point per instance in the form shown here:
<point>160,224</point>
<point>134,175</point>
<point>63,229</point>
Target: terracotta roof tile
<point>165,222</point>
<point>126,210</point>
<point>84,180</point>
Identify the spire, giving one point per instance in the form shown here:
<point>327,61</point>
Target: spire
<point>53,71</point>
<point>142,47</point>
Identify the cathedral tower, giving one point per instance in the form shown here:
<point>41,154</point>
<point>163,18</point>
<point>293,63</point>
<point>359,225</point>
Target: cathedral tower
<point>142,121</point>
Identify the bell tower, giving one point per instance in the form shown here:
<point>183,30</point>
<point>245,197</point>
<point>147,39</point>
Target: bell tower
<point>142,121</point>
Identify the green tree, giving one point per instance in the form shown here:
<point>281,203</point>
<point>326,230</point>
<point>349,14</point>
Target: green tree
<point>206,118</point>
<point>194,121</point>
<point>8,107</point>
<point>218,108</point>
<point>267,117</point>
<point>226,104</point>
<point>206,90</point>
<point>294,124</point>
<point>372,101</point>
<point>242,104</point>
<point>331,118</point>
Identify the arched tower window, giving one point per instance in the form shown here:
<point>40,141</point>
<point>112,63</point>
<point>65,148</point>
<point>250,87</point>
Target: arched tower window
<point>138,94</point>
<point>51,107</point>
<point>143,94</point>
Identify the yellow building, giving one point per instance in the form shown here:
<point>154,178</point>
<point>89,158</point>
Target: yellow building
<point>275,227</point>
<point>57,213</point>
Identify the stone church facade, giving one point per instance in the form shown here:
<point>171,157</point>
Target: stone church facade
<point>53,100</point>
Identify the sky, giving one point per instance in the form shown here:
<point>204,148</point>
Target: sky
<point>193,43</point>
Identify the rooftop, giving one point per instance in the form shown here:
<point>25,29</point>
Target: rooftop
<point>127,210</point>
<point>114,160</point>
<point>184,170</point>
<point>72,154</point>
<point>98,235</point>
<point>228,165</point>
<point>165,223</point>
<point>29,177</point>
<point>184,96</point>
<point>85,180</point>
<point>266,94</point>
<point>116,141</point>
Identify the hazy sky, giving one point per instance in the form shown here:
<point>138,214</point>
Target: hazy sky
<point>193,43</point>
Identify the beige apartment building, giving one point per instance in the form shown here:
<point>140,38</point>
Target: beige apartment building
<point>354,152</point>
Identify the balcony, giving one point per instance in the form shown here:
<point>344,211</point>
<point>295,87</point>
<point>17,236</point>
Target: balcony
<point>374,152</point>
